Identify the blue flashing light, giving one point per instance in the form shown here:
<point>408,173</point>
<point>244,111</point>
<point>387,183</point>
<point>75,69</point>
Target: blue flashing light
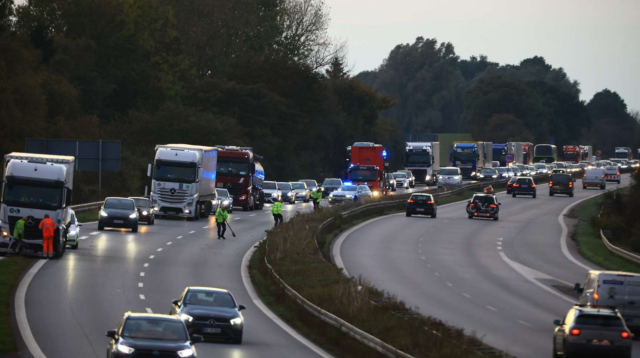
<point>350,165</point>
<point>347,183</point>
<point>384,153</point>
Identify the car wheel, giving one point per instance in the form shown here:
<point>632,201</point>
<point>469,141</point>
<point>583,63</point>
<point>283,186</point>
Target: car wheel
<point>252,204</point>
<point>496,218</point>
<point>603,187</point>
<point>134,229</point>
<point>513,195</point>
<point>571,195</point>
<point>245,208</point>
<point>75,247</point>
<point>408,215</point>
<point>550,194</point>
<point>433,216</point>
<point>470,216</point>
<point>584,187</point>
<point>535,194</point>
<point>618,181</point>
<point>149,221</point>
<point>100,227</point>
<point>237,340</point>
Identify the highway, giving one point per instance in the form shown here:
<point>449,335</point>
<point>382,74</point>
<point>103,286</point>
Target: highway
<point>72,302</point>
<point>506,281</point>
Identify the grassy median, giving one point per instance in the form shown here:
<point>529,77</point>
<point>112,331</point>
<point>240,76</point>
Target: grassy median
<point>11,269</point>
<point>587,237</point>
<point>88,216</point>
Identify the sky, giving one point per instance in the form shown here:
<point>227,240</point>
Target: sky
<point>597,42</point>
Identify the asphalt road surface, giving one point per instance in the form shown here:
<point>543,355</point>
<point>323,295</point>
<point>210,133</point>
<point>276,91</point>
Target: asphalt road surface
<point>506,281</point>
<point>72,302</point>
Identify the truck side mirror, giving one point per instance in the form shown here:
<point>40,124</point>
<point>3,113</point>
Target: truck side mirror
<point>557,322</point>
<point>577,288</point>
<point>149,170</point>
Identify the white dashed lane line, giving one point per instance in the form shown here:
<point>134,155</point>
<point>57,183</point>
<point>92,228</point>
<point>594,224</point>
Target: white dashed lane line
<point>449,284</point>
<point>146,265</point>
<point>205,227</point>
<point>191,232</point>
<point>525,323</point>
<point>160,249</point>
<point>140,284</point>
<point>169,243</point>
<point>95,233</point>
<point>252,215</point>
<point>466,295</point>
<point>149,310</point>
<point>179,237</point>
<point>236,219</point>
<point>493,309</point>
<point>437,274</point>
<point>142,297</point>
<point>142,274</point>
<point>152,256</point>
<point>83,237</point>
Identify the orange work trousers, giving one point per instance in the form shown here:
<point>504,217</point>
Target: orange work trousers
<point>47,246</point>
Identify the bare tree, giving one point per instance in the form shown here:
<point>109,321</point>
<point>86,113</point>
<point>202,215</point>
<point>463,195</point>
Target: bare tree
<point>305,36</point>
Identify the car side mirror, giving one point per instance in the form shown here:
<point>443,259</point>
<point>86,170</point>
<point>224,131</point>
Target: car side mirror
<point>196,338</point>
<point>499,203</point>
<point>557,322</point>
<point>79,224</point>
<point>577,288</point>
<point>469,201</point>
<point>242,307</point>
<point>112,333</point>
<point>176,302</point>
<point>574,180</point>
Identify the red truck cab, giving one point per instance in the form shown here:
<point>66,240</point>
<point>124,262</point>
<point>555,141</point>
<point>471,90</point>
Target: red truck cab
<point>571,153</point>
<point>240,172</point>
<point>368,164</point>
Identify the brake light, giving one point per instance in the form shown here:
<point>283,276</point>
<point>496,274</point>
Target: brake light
<point>625,335</point>
<point>493,206</point>
<point>570,184</point>
<point>429,202</point>
<point>585,176</point>
<point>533,185</point>
<point>596,296</point>
<point>516,185</point>
<point>487,214</point>
<point>411,201</point>
<point>618,173</point>
<point>472,204</point>
<point>550,183</point>
<point>575,332</point>
<point>603,175</point>
<point>476,214</point>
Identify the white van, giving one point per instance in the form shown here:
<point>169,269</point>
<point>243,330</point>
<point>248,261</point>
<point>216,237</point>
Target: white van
<point>594,177</point>
<point>612,173</point>
<point>613,289</point>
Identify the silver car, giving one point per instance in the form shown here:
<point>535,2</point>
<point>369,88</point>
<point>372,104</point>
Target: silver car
<point>350,193</point>
<point>222,197</point>
<point>449,176</point>
<point>541,168</point>
<point>410,177</point>
<point>302,192</point>
<point>599,331</point>
<point>271,192</point>
<point>401,180</point>
<point>594,178</point>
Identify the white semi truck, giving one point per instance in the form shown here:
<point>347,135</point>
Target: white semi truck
<point>183,180</point>
<point>423,160</point>
<point>35,185</point>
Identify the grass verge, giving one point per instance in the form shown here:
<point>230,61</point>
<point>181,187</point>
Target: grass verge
<point>587,237</point>
<point>11,268</point>
<point>88,216</point>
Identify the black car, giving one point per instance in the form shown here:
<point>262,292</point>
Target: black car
<point>524,186</point>
<point>483,206</point>
<point>488,174</point>
<point>145,211</point>
<point>561,184</point>
<point>329,185</point>
<point>210,312</point>
<point>422,204</point>
<point>391,182</point>
<point>510,184</point>
<point>119,213</point>
<point>288,192</point>
<point>151,335</point>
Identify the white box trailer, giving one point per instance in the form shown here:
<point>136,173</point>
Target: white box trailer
<point>183,180</point>
<point>35,185</point>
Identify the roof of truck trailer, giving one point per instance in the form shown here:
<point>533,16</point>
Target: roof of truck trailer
<point>27,156</point>
<point>185,146</point>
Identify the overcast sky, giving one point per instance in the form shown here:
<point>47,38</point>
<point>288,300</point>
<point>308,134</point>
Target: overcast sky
<point>597,42</point>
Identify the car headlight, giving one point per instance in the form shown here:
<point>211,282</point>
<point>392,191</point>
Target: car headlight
<point>72,232</point>
<point>331,195</point>
<point>226,202</point>
<point>145,213</point>
<point>457,177</point>
<point>376,193</point>
<point>236,321</point>
<point>133,216</point>
<point>289,193</point>
<point>243,197</point>
<point>480,176</point>
<point>186,317</point>
<point>349,196</point>
<point>185,353</point>
<point>124,349</point>
<point>102,213</point>
<point>473,173</point>
<point>494,176</point>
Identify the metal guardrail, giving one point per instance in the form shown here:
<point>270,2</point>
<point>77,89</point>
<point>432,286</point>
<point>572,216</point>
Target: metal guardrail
<point>619,251</point>
<point>86,207</point>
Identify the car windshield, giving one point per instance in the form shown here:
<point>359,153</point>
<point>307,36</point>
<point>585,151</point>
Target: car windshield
<point>222,193</point>
<point>449,172</point>
<point>155,329</point>
<point>524,181</point>
<point>233,169</point>
<point>422,198</point>
<point>513,179</point>
<point>541,166</point>
<point>284,186</point>
<point>489,172</point>
<point>531,167</point>
<point>269,185</point>
<point>298,186</point>
<point>599,320</point>
<point>484,199</point>
<point>501,170</point>
<point>142,203</point>
<point>32,196</point>
<point>332,182</point>
<point>560,165</point>
<point>119,204</point>
<point>348,188</point>
<point>210,299</point>
<point>560,178</point>
<point>400,175</point>
<point>310,183</point>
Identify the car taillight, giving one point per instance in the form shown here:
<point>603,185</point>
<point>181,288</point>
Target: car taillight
<point>585,176</point>
<point>550,183</point>
<point>429,202</point>
<point>625,335</point>
<point>411,201</point>
<point>618,173</point>
<point>603,175</point>
<point>596,296</point>
<point>516,185</point>
<point>533,185</point>
<point>493,206</point>
<point>472,204</point>
<point>575,332</point>
<point>570,184</point>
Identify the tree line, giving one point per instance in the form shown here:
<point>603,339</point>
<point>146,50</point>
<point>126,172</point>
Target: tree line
<point>258,73</point>
<point>437,92</point>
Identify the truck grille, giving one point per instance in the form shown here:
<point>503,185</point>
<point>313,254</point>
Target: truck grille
<point>30,232</point>
<point>180,196</point>
<point>235,189</point>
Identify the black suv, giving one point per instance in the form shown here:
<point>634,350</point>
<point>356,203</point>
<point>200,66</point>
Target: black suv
<point>561,184</point>
<point>524,186</point>
<point>422,204</point>
<point>483,206</point>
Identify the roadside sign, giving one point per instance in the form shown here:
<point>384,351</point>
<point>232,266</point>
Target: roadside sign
<point>508,158</point>
<point>598,153</point>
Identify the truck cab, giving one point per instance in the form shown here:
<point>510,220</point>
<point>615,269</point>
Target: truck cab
<point>240,172</point>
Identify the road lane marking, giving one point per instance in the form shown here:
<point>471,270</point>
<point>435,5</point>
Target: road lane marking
<point>21,311</point>
<point>140,284</point>
<point>466,295</point>
<point>493,309</point>
<point>424,259</point>
<point>246,280</point>
<point>152,256</point>
<point>142,297</point>
<point>95,233</point>
<point>500,239</point>
<point>169,243</point>
<point>179,237</point>
<point>160,249</point>
<point>146,265</point>
<point>236,219</point>
<point>142,274</point>
<point>499,247</point>
<point>149,310</point>
<point>83,237</point>
<point>252,215</point>
<point>449,284</point>
<point>205,227</point>
<point>525,323</point>
<point>437,274</point>
<point>563,237</point>
<point>191,232</point>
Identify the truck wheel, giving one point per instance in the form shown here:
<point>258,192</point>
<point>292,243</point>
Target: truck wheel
<point>252,204</point>
<point>207,210</point>
<point>245,208</point>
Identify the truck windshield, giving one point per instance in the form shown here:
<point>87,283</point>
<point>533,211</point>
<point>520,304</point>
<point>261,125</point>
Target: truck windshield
<point>364,175</point>
<point>32,196</point>
<point>175,172</point>
<point>418,158</point>
<point>623,155</point>
<point>464,156</point>
<point>233,169</point>
<point>570,155</point>
<point>543,151</point>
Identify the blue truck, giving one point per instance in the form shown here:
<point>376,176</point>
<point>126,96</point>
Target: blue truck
<point>500,151</point>
<point>470,157</point>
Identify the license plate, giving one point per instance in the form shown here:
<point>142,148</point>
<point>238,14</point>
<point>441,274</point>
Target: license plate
<point>118,221</point>
<point>601,343</point>
<point>556,186</point>
<point>525,186</point>
<point>171,212</point>
<point>211,330</point>
<point>419,209</point>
